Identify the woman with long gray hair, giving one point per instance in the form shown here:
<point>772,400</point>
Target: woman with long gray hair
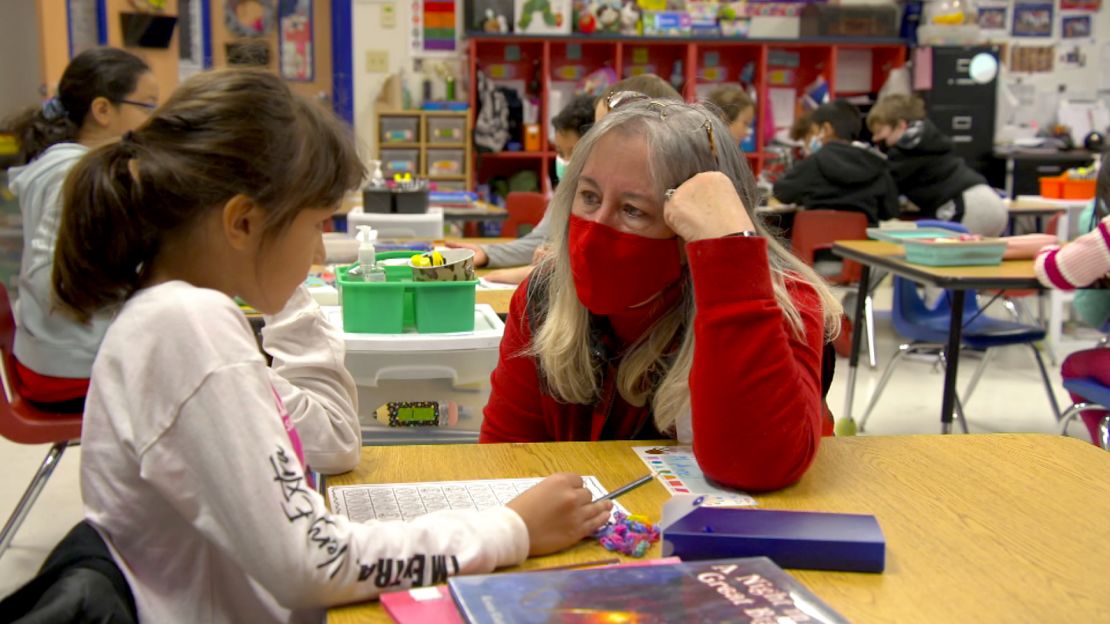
<point>666,308</point>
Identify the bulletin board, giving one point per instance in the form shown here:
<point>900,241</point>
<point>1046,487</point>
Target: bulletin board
<point>310,72</point>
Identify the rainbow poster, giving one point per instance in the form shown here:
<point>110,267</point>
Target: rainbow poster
<point>434,29</point>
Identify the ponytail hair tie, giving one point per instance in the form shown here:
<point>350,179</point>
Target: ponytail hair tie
<point>127,143</point>
<point>53,109</point>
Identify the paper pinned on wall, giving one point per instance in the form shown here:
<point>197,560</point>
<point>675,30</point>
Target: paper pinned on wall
<point>783,102</point>
<point>923,68</point>
<point>1104,67</point>
<point>853,70</point>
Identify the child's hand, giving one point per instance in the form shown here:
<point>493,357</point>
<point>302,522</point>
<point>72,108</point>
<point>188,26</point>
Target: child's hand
<point>480,257</point>
<point>540,253</point>
<point>514,275</point>
<point>558,513</point>
<point>706,206</point>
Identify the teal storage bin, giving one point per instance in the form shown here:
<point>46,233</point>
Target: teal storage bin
<point>963,253</point>
<point>400,304</point>
<point>898,236</point>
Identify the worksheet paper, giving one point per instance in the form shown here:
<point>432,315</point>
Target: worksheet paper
<point>678,471</point>
<point>405,501</point>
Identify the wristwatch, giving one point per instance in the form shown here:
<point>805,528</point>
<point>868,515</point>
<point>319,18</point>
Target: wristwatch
<point>745,234</point>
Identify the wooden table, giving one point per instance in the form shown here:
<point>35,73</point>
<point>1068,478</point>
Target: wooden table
<point>1010,275</point>
<point>480,212</point>
<point>1040,207</point>
<point>499,299</point>
<point>985,528</point>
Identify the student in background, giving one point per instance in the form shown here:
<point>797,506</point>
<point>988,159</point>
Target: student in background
<point>640,87</point>
<point>193,463</point>
<point>570,124</point>
<point>103,93</point>
<point>928,172</point>
<point>654,244</point>
<point>738,109</point>
<point>840,173</point>
<point>1078,264</point>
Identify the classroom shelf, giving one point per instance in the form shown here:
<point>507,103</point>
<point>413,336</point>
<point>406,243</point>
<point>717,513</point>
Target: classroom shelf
<point>425,127</point>
<point>513,154</point>
<point>546,63</point>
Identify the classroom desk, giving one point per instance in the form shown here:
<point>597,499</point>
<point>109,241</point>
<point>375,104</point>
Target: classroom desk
<point>987,528</point>
<point>481,212</point>
<point>499,299</point>
<point>1040,207</point>
<point>1010,275</point>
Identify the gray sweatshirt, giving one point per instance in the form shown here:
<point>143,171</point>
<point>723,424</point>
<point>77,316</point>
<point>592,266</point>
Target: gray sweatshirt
<point>46,340</point>
<point>518,252</point>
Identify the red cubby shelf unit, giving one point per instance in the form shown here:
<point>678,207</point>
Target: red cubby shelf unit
<point>562,60</point>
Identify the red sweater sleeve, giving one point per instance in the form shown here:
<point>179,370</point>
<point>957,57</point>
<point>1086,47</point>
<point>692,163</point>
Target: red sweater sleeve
<point>755,388</point>
<point>514,412</point>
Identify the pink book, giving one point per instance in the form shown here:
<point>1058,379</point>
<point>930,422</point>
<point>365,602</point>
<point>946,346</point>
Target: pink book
<point>421,605</point>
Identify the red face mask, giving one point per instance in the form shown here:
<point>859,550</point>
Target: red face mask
<point>614,271</point>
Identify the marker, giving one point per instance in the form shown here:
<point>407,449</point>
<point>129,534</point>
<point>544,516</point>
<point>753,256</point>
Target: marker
<point>627,488</point>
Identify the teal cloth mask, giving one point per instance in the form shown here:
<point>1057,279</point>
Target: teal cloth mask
<point>560,167</point>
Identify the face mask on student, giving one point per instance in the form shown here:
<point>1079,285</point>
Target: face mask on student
<point>814,145</point>
<point>560,168</point>
<point>614,271</point>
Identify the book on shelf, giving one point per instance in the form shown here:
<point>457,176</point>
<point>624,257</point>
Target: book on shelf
<point>726,590</point>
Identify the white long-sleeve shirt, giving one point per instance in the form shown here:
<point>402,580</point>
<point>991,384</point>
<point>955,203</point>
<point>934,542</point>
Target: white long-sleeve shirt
<point>189,474</point>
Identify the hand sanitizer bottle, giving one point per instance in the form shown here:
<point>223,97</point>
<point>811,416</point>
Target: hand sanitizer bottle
<point>367,255</point>
<point>377,179</point>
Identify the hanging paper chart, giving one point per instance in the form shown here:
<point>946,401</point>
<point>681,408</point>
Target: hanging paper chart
<point>295,20</point>
<point>434,29</point>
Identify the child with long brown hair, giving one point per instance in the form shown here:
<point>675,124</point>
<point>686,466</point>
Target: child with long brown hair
<point>103,93</point>
<point>194,457</point>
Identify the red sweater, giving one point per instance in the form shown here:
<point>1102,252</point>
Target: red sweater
<point>755,388</point>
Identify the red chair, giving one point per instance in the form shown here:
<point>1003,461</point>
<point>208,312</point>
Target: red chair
<point>815,230</point>
<point>525,209</point>
<point>22,423</point>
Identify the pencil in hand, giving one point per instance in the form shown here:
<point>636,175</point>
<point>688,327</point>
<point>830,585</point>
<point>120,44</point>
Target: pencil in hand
<point>624,489</point>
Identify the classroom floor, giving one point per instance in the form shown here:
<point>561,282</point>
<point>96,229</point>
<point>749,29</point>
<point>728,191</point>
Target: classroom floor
<point>1010,398</point>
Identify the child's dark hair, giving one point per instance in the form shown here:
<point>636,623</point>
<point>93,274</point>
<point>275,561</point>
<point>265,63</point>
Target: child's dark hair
<point>100,72</point>
<point>891,109</point>
<point>575,117</point>
<point>843,116</point>
<point>221,134</point>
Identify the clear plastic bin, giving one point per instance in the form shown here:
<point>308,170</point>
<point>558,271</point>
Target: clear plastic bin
<point>396,160</point>
<point>446,129</point>
<point>451,162</point>
<point>416,367</point>
<point>427,225</point>
<point>399,130</point>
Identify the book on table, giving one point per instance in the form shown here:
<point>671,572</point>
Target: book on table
<point>726,590</point>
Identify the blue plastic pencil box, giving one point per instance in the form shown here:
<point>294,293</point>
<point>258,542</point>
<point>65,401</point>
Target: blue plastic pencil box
<point>792,539</point>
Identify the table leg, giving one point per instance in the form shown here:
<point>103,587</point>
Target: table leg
<point>857,336</point>
<point>952,358</point>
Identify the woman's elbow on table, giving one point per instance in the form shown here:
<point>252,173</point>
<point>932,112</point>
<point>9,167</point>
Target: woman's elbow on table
<point>756,467</point>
